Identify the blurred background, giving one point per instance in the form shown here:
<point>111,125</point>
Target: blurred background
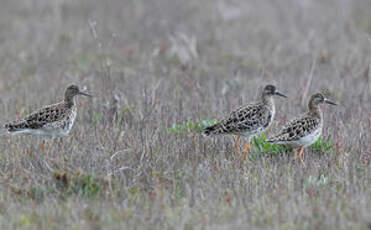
<point>155,64</point>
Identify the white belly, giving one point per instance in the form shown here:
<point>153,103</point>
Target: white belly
<point>309,139</point>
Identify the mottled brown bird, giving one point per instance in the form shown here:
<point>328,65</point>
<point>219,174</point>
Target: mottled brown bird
<point>50,121</point>
<point>249,120</point>
<point>305,130</point>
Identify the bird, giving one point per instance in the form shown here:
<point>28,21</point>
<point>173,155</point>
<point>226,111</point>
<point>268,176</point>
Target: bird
<point>303,131</point>
<point>50,121</point>
<point>249,120</point>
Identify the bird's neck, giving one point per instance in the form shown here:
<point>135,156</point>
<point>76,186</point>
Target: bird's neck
<point>268,100</point>
<point>315,110</point>
<point>69,101</point>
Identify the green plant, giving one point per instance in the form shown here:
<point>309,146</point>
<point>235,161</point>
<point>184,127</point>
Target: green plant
<point>180,189</point>
<point>86,185</point>
<point>36,194</point>
<point>190,126</point>
<point>263,147</point>
<point>322,145</point>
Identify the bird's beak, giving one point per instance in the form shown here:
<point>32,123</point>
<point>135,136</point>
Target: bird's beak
<point>280,94</point>
<point>330,102</point>
<point>85,94</point>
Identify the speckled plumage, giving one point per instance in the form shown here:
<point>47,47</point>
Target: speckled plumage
<point>297,130</point>
<point>305,130</point>
<point>249,120</point>
<point>50,121</point>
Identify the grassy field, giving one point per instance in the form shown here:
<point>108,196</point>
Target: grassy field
<point>159,71</point>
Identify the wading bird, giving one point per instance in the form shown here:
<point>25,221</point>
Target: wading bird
<point>305,130</point>
<point>50,121</point>
<point>249,120</point>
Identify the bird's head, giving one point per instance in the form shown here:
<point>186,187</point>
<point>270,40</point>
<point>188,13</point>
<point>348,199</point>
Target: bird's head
<point>74,90</point>
<point>271,90</point>
<point>318,98</point>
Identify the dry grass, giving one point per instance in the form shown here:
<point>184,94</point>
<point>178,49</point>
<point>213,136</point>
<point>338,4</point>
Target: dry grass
<point>153,64</point>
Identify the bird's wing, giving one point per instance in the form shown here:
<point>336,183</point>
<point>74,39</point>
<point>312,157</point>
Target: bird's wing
<point>296,129</point>
<point>244,119</point>
<point>38,118</point>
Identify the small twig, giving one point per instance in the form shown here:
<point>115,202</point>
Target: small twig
<point>306,89</point>
<point>94,34</point>
<point>118,152</point>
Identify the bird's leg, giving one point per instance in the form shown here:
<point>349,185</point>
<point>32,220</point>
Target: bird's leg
<point>236,144</point>
<point>295,153</point>
<point>60,143</point>
<point>246,151</point>
<point>301,154</point>
<point>43,146</point>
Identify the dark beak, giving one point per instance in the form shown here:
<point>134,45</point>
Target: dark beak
<point>85,94</point>
<point>330,102</point>
<point>280,94</point>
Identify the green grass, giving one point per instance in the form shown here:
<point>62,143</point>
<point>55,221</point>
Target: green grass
<point>191,126</point>
<point>83,185</point>
<point>322,146</point>
<point>265,148</point>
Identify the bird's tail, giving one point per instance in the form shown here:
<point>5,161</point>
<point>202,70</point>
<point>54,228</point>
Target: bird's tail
<point>212,130</point>
<point>4,130</point>
<point>11,128</point>
<point>15,126</point>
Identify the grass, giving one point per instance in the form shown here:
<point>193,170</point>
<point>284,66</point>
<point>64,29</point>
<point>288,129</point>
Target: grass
<point>191,126</point>
<point>264,148</point>
<point>160,72</point>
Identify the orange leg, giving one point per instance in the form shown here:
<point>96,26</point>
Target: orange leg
<point>43,146</point>
<point>246,151</point>
<point>236,144</point>
<point>301,154</point>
